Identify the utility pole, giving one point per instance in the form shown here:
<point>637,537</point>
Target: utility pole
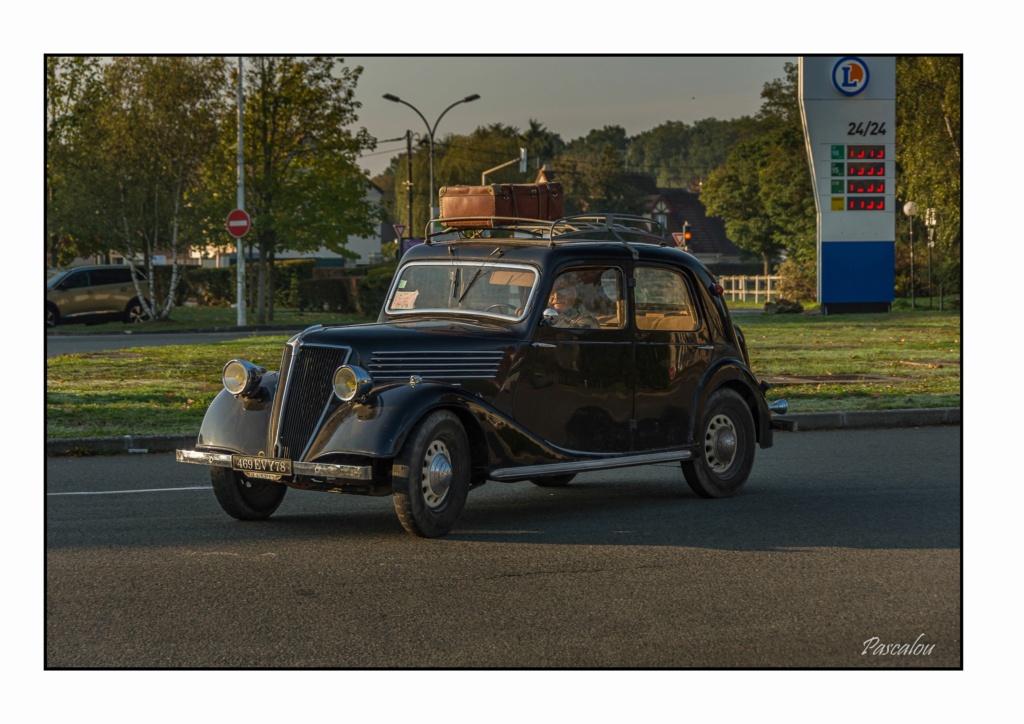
<point>408,179</point>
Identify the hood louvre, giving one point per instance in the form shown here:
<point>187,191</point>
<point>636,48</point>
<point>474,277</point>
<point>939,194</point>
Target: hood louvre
<point>435,365</point>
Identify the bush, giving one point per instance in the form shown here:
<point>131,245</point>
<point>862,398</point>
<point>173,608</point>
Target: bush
<point>799,280</point>
<point>373,288</point>
<point>783,306</point>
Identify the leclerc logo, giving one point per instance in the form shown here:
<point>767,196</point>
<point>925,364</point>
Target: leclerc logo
<point>850,75</point>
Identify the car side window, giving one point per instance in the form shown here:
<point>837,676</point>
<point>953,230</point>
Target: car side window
<point>663,301</point>
<point>589,298</point>
<point>76,280</point>
<point>104,276</point>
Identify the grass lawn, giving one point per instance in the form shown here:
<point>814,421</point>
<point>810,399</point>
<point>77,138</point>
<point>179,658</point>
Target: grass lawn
<point>842,362</point>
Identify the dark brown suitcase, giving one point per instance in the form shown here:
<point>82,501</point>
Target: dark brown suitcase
<point>501,202</point>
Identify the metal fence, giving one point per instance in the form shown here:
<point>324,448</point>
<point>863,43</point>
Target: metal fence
<point>750,288</point>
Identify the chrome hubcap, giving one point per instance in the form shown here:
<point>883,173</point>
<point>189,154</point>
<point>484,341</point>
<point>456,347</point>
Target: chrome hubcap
<point>436,476</point>
<point>720,443</point>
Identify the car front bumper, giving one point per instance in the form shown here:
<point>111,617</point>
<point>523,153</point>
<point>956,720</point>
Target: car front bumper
<point>304,469</point>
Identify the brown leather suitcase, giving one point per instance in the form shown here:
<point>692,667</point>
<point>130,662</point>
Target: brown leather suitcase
<point>501,202</point>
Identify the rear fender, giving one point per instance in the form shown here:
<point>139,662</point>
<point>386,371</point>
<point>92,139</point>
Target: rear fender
<point>734,374</point>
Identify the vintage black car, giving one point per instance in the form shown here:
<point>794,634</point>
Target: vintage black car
<point>517,350</point>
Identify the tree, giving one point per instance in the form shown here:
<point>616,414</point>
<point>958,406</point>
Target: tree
<point>541,144</point>
<point>304,187</point>
<point>678,154</point>
<point>929,149</point>
<point>141,136</point>
<point>593,174</point>
<point>764,191</point>
<point>72,84</point>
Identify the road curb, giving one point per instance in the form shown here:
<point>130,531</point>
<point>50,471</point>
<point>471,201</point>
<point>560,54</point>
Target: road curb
<point>806,422</point>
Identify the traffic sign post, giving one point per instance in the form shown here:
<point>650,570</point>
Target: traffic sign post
<point>238,224</point>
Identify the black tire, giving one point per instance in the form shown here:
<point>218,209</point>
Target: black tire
<point>726,445</point>
<point>52,316</point>
<point>243,498</point>
<point>554,481</point>
<point>135,313</point>
<point>430,476</point>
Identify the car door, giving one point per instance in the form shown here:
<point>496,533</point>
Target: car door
<point>673,348</point>
<point>104,284</point>
<point>576,387</point>
<point>74,294</point>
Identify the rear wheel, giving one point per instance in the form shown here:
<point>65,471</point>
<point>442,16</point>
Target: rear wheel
<point>243,498</point>
<point>726,447</point>
<point>135,313</point>
<point>554,481</point>
<point>430,476</point>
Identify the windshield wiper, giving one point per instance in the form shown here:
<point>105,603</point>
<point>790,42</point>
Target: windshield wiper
<point>476,276</point>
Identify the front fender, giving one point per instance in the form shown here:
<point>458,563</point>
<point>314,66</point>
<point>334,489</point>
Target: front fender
<point>729,372</point>
<point>379,427</point>
<point>238,424</point>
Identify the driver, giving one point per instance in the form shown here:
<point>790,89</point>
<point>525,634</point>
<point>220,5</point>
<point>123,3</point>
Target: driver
<point>571,312</point>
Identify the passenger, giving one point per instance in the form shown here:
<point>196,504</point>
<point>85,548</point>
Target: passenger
<point>570,314</point>
<point>592,295</point>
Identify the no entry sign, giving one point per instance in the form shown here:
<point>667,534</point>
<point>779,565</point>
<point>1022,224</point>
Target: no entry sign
<point>238,223</point>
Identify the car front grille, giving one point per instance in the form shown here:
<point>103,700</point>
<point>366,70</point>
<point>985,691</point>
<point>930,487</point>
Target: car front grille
<point>308,390</point>
<point>435,365</point>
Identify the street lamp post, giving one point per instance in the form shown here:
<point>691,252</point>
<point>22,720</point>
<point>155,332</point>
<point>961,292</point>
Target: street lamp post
<point>910,209</point>
<point>931,223</point>
<point>430,136</point>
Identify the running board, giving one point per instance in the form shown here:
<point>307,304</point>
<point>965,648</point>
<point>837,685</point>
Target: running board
<point>583,466</point>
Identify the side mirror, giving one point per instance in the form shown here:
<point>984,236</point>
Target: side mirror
<point>550,317</point>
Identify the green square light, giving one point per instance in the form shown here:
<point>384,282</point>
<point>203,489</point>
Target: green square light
<point>838,152</point>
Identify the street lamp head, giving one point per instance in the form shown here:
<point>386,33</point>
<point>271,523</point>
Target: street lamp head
<point>910,208</point>
<point>392,98</point>
<point>473,97</point>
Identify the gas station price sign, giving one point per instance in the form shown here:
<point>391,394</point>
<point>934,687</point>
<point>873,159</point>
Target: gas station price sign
<point>863,176</point>
<point>868,152</point>
<point>848,112</point>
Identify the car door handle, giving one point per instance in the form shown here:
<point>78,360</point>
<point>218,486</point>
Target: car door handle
<point>543,345</point>
<point>705,346</point>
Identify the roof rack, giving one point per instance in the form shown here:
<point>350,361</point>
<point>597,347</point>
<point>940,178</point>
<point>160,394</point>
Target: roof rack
<point>620,228</point>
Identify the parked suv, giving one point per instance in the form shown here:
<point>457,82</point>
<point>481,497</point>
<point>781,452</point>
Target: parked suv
<point>87,293</point>
<point>518,350</point>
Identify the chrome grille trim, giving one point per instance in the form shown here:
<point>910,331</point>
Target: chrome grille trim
<point>307,396</point>
<point>473,364</point>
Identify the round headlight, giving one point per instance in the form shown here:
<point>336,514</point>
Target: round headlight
<point>241,377</point>
<point>352,383</point>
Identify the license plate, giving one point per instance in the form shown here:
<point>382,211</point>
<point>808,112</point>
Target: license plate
<point>264,468</point>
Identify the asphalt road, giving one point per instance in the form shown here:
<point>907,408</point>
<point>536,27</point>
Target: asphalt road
<point>57,344</point>
<point>842,544</point>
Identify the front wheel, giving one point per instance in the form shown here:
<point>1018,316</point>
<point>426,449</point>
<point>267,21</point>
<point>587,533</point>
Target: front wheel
<point>726,447</point>
<point>430,476</point>
<point>246,499</point>
<point>52,316</point>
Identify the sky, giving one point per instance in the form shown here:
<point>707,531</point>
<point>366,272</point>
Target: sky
<point>569,95</point>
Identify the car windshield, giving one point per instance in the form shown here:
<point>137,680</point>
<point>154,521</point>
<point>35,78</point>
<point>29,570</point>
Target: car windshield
<point>480,288</point>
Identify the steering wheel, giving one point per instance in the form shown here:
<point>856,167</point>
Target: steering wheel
<point>501,305</point>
